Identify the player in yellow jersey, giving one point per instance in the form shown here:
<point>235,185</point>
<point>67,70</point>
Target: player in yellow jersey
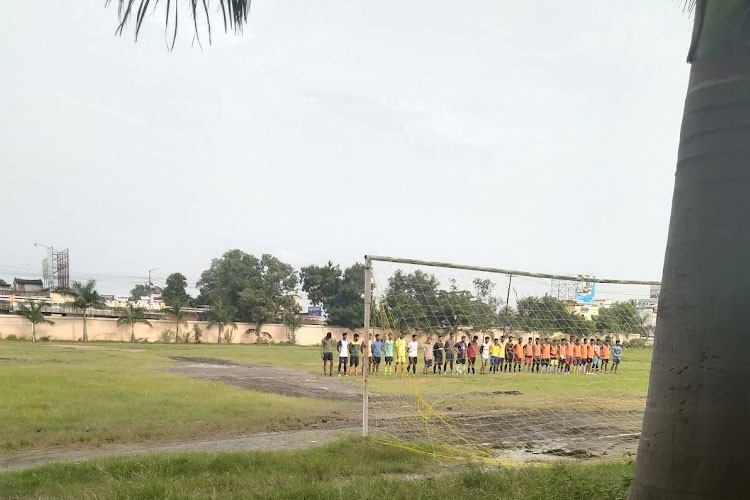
<point>400,360</point>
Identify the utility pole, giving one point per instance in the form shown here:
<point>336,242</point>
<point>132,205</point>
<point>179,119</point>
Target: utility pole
<point>507,296</point>
<point>151,284</point>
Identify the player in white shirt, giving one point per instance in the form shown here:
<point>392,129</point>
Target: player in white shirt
<point>413,351</point>
<point>343,348</point>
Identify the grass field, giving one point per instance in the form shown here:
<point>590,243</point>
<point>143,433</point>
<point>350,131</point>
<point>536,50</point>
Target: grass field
<point>68,394</point>
<point>339,470</point>
<point>63,396</point>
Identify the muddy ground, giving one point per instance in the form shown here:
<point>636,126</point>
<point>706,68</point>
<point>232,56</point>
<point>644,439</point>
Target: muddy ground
<point>513,435</point>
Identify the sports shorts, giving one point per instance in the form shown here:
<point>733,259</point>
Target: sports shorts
<point>413,360</point>
<point>344,360</point>
<point>473,359</point>
<point>354,361</point>
<point>327,356</point>
<point>537,359</point>
<point>568,360</point>
<point>545,361</point>
<point>615,361</point>
<point>376,360</point>
<point>605,361</point>
<point>461,361</point>
<point>438,360</point>
<point>589,360</point>
<point>527,359</point>
<point>400,359</point>
<point>484,360</point>
<point>428,363</point>
<point>494,360</point>
<point>553,362</point>
<point>577,361</point>
<point>389,359</point>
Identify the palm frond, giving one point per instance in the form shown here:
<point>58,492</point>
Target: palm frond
<point>233,14</point>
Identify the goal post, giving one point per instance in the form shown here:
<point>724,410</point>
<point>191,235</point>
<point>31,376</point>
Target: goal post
<point>552,395</point>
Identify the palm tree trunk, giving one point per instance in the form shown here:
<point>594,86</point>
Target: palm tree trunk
<point>221,330</point>
<point>132,332</point>
<point>33,331</point>
<point>694,443</point>
<point>85,329</point>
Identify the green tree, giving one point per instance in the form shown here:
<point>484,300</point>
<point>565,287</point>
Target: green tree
<point>131,316</point>
<point>695,433</point>
<point>321,283</point>
<point>411,300</point>
<point>548,315</point>
<point>293,322</point>
<point>220,317</point>
<point>85,297</point>
<point>179,315</point>
<point>259,290</point>
<point>621,317</point>
<point>340,294</point>
<point>32,311</point>
<point>175,290</point>
<point>347,306</point>
<point>233,14</point>
<point>143,290</point>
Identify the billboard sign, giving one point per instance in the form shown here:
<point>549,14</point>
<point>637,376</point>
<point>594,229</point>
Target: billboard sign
<point>586,290</point>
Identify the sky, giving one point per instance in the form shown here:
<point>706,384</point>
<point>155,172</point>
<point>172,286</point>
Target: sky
<point>533,135</point>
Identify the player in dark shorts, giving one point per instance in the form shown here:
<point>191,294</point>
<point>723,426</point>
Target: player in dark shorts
<point>471,352</point>
<point>355,350</point>
<point>508,355</point>
<point>461,348</point>
<point>438,349</point>
<point>377,354</point>
<point>450,352</point>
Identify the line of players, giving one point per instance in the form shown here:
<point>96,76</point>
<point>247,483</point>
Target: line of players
<point>452,356</point>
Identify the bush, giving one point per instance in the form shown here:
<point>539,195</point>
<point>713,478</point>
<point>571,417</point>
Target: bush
<point>168,336</point>
<point>635,343</point>
<point>197,334</point>
<point>11,337</point>
<point>46,338</point>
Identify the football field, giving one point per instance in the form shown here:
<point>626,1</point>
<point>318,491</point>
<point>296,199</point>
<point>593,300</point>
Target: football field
<point>73,402</point>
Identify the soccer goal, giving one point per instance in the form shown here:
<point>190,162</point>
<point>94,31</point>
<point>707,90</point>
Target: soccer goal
<point>501,365</point>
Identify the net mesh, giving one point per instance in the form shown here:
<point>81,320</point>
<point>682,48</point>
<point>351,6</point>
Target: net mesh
<point>529,400</point>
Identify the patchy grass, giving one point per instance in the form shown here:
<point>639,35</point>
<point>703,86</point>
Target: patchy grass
<point>85,395</point>
<point>74,394</point>
<point>349,469</point>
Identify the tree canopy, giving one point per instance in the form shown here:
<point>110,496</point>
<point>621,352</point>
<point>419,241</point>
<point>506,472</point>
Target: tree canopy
<point>340,294</point>
<point>175,290</point>
<point>259,290</point>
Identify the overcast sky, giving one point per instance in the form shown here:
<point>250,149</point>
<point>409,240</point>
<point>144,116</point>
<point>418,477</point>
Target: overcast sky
<point>533,135</point>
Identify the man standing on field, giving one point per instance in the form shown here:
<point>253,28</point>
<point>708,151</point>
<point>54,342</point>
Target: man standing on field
<point>377,352</point>
<point>343,347</point>
<point>413,354</point>
<point>388,349</point>
<point>327,345</point>
<point>428,355</point>
<point>400,353</point>
<point>354,354</point>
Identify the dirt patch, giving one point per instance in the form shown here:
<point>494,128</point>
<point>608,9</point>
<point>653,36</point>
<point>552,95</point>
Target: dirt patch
<point>271,379</point>
<point>261,441</point>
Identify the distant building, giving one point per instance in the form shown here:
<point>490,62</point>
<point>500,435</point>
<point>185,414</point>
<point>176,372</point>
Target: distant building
<point>5,288</point>
<point>647,309</point>
<point>23,288</point>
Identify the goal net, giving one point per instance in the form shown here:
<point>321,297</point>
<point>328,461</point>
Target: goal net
<point>510,366</point>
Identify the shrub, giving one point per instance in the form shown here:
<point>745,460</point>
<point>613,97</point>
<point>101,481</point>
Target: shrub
<point>46,338</point>
<point>197,333</point>
<point>168,336</point>
<point>11,337</point>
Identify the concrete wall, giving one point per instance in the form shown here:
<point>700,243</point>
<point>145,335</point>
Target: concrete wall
<point>71,328</point>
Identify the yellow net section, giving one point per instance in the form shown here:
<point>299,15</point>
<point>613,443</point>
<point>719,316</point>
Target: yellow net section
<point>493,367</point>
